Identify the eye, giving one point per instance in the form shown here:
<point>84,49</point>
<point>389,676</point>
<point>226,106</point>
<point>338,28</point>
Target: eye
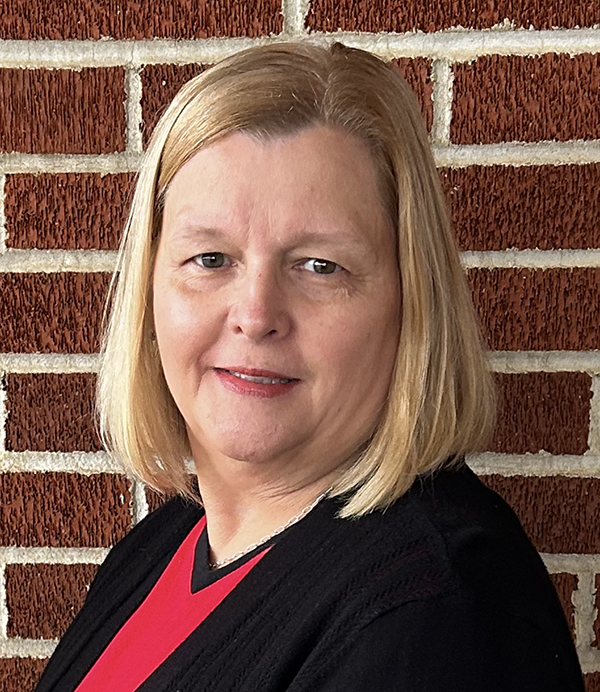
<point>212,260</point>
<point>321,266</point>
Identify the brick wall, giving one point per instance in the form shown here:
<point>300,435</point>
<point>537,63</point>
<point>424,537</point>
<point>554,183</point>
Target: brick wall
<point>512,101</point>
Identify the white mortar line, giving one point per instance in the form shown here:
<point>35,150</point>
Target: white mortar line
<point>518,154</point>
<point>50,261</point>
<point>452,44</point>
<point>594,432</point>
<point>13,555</point>
<point>3,235</point>
<point>15,647</point>
<point>530,259</point>
<point>124,162</point>
<point>583,600</point>
<point>86,463</point>
<point>457,156</point>
<point>109,53</point>
<point>541,464</point>
<point>574,563</point>
<point>443,80</point>
<point>462,45</point>
<point>589,660</point>
<point>23,363</point>
<point>544,361</point>
<point>3,603</point>
<point>294,17</point>
<point>3,413</point>
<point>133,109</point>
<point>139,502</point>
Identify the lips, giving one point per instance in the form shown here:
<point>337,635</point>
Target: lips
<point>254,382</point>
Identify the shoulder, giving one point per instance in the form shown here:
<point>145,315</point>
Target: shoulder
<point>151,542</point>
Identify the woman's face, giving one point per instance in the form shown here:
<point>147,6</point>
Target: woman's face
<point>277,299</point>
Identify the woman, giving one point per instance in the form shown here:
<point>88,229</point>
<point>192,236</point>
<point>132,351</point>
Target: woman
<point>290,313</point>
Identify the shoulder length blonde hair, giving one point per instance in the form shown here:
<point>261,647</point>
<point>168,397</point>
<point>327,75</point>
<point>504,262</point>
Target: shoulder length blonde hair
<point>441,401</point>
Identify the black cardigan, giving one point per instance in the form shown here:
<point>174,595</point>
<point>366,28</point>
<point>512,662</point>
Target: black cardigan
<point>441,592</point>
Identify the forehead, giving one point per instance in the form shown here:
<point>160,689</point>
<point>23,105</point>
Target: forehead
<point>318,176</point>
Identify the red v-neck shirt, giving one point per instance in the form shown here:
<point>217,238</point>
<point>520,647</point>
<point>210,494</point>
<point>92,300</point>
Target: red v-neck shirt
<point>165,619</point>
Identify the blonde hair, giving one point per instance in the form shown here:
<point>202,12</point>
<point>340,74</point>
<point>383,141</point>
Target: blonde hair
<point>441,401</point>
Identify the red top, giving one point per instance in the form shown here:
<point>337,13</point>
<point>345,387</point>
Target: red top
<point>168,615</point>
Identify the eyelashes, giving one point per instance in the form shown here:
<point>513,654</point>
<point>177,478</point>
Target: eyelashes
<point>316,265</point>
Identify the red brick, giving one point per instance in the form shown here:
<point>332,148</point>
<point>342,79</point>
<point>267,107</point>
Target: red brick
<point>68,211</point>
<point>62,111</point>
<point>178,19</point>
<point>596,642</point>
<point>565,584</point>
<point>547,411</point>
<point>155,500</point>
<point>51,412</point>
<point>21,674</point>
<point>592,682</point>
<point>559,514</point>
<point>508,98</point>
<point>545,207</point>
<point>160,84</point>
<point>535,310</point>
<point>52,313</point>
<point>63,509</point>
<point>417,72</point>
<point>43,599</point>
<point>424,15</point>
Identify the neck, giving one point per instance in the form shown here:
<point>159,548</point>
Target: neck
<point>246,506</point>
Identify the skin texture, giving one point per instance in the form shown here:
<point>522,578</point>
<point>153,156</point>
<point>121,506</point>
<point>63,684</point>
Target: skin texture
<point>237,288</point>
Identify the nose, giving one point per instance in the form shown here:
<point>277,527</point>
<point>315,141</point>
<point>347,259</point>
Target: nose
<point>259,308</point>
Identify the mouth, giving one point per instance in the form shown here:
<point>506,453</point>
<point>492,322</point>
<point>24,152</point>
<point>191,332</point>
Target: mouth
<point>264,377</point>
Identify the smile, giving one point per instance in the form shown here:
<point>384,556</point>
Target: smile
<point>260,380</point>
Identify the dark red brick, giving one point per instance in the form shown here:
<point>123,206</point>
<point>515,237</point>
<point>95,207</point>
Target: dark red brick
<point>51,412</point>
<point>565,584</point>
<point>538,310</point>
<point>177,19</point>
<point>62,111</point>
<point>510,98</point>
<point>423,15</point>
<point>559,514</point>
<point>43,599</point>
<point>547,411</point>
<point>52,313</point>
<point>160,84</point>
<point>21,674</point>
<point>63,509</point>
<point>67,211</point>
<point>592,682</point>
<point>417,72</point>
<point>596,642</point>
<point>544,207</point>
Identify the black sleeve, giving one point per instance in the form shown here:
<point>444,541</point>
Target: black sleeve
<point>450,645</point>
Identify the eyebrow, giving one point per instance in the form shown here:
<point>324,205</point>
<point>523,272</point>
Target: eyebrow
<point>352,238</point>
